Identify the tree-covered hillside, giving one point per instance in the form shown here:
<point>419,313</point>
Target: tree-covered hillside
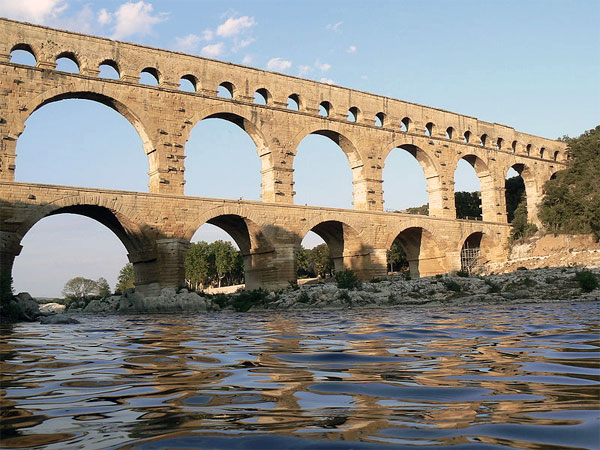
<point>571,203</point>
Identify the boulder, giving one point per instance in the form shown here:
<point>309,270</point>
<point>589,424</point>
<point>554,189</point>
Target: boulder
<point>57,319</point>
<point>48,309</point>
<point>103,305</point>
<point>27,305</point>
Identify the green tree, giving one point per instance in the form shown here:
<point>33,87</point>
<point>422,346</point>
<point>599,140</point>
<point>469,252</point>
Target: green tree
<point>320,260</point>
<point>126,279</point>
<point>79,287</point>
<point>103,289</point>
<point>199,265</point>
<point>225,260</point>
<point>468,204</point>
<point>520,227</point>
<point>571,202</point>
<point>422,210</point>
<point>396,257</point>
<point>302,263</point>
<point>514,192</point>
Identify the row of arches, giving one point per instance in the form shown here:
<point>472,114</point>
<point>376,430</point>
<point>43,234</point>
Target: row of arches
<point>341,239</point>
<point>108,68</point>
<point>221,133</point>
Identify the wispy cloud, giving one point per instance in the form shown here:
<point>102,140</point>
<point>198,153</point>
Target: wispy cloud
<point>247,59</point>
<point>334,27</point>
<point>304,70</point>
<point>233,27</point>
<point>212,51</point>
<point>132,18</point>
<point>278,64</point>
<point>323,67</point>
<point>37,11</point>
<point>351,49</point>
<point>327,80</point>
<point>188,43</point>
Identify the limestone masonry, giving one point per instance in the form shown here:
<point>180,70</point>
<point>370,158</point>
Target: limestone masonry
<point>156,227</point>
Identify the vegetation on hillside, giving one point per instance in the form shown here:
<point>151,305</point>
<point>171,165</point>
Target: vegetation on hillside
<point>571,203</point>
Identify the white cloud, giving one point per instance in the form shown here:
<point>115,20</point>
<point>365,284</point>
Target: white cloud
<point>187,43</point>
<point>323,67</point>
<point>207,35</point>
<point>81,22</point>
<point>37,11</point>
<point>135,18</point>
<point>304,70</point>
<point>351,49</point>
<point>232,26</point>
<point>278,64</point>
<point>334,27</point>
<point>104,17</point>
<point>247,59</point>
<point>213,50</point>
<point>245,42</point>
<point>327,80</point>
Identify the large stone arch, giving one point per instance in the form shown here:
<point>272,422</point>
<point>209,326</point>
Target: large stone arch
<point>356,161</point>
<point>476,238</point>
<point>431,169</point>
<point>425,257</point>
<point>30,105</point>
<point>136,236</point>
<point>489,210</point>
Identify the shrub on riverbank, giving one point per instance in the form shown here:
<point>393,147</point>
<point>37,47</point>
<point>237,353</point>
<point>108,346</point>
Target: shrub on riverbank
<point>587,280</point>
<point>347,279</point>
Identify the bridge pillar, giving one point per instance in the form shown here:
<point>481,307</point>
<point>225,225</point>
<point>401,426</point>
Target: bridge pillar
<point>270,270</point>
<point>368,194</point>
<point>171,262</point>
<point>10,248</point>
<point>378,263</point>
<point>277,185</point>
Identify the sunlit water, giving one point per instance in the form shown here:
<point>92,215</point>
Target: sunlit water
<point>522,376</point>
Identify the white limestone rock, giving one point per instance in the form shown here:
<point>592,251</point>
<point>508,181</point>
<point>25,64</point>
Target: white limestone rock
<point>48,309</point>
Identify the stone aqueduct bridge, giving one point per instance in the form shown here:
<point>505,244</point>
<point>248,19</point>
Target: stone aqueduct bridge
<point>156,227</point>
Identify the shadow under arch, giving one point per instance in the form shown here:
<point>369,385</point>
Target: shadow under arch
<point>486,183</point>
<point>355,159</point>
<point>346,248</point>
<point>255,247</point>
<point>63,93</point>
<point>137,238</point>
<point>422,251</point>
<point>529,181</point>
<point>474,248</point>
<point>430,171</point>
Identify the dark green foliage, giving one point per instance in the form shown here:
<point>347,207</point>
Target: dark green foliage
<point>215,264</point>
<point>314,262</point>
<point>102,287</point>
<point>347,279</point>
<point>452,285</point>
<point>571,203</point>
<point>343,295</point>
<point>520,228</point>
<point>468,205</point>
<point>462,273</point>
<point>587,280</point>
<point>422,210</point>
<point>396,258</point>
<point>303,298</point>
<point>126,278</point>
<point>514,192</point>
<point>375,280</point>
<point>245,300</point>
<point>493,288</point>
<point>6,288</point>
<point>79,288</point>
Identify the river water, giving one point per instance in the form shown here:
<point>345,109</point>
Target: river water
<point>521,376</point>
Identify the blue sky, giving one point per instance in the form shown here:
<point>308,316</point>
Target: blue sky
<point>533,65</point>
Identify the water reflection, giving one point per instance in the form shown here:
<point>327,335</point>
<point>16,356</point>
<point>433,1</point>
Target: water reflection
<point>486,377</point>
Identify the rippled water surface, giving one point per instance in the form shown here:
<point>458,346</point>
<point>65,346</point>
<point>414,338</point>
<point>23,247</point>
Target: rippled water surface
<point>523,376</point>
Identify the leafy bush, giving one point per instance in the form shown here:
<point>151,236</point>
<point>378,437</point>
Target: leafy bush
<point>304,298</point>
<point>493,288</point>
<point>347,279</point>
<point>343,295</point>
<point>462,273</point>
<point>376,280</point>
<point>587,280</point>
<point>452,285</point>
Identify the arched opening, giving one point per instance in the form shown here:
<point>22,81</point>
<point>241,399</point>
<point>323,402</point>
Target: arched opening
<point>514,146</point>
<point>261,97</point>
<point>499,143</point>
<point>225,90</point>
<point>149,76</point>
<point>341,249</point>
<point>483,139</point>
<point>67,62</point>
<point>313,259</point>
<point>23,54</point>
<point>293,102</point>
<point>405,125</point>
<point>542,152</point>
<point>228,250</point>
<point>449,132</point>
<point>415,252</point>
<point>556,155</point>
<point>528,149</point>
<point>467,136</point>
<point>323,174</point>
<point>63,144</point>
<point>59,247</point>
<point>468,197</point>
<point>188,83</point>
<point>324,109</point>
<point>379,119</point>
<point>471,253</point>
<point>406,175</point>
<point>429,129</point>
<point>109,69</point>
<point>221,159</point>
<point>353,114</point>
<point>514,191</point>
